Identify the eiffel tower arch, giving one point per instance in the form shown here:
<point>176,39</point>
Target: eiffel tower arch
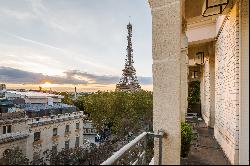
<point>129,81</point>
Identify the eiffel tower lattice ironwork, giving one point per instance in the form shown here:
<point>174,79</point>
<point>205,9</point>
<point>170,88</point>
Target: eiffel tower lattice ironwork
<point>128,81</point>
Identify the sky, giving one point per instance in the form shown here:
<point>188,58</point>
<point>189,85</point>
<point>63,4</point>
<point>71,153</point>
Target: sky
<point>60,44</point>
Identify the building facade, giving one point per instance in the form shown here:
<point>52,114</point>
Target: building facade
<point>46,129</point>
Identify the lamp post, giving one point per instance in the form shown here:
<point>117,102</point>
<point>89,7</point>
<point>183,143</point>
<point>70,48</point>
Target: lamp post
<point>213,7</point>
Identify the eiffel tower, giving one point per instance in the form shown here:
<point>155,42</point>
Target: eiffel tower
<point>128,81</point>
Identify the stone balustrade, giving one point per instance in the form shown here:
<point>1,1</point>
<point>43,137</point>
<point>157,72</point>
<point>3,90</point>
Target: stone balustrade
<point>10,137</point>
<point>39,121</point>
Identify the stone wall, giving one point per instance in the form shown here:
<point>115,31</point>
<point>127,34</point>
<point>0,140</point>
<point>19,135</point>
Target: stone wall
<point>226,128</point>
<point>47,140</point>
<point>205,100</point>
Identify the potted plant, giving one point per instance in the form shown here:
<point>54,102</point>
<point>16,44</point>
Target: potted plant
<point>186,138</point>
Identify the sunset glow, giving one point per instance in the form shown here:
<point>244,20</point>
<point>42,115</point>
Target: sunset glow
<point>48,85</point>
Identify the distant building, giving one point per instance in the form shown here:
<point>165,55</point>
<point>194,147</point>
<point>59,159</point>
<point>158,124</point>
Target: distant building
<point>2,90</point>
<point>39,103</point>
<point>90,132</point>
<point>2,87</point>
<point>37,121</point>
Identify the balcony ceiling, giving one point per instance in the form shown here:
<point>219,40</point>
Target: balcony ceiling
<point>193,8</point>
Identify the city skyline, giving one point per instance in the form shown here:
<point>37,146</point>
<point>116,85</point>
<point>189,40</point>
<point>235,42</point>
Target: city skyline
<point>85,49</point>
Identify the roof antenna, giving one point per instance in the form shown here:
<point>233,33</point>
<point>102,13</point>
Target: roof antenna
<point>129,19</point>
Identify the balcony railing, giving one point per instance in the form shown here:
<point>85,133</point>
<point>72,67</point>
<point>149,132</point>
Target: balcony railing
<point>12,115</point>
<point>10,137</point>
<point>134,153</point>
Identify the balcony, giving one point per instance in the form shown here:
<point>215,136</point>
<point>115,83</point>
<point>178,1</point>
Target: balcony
<point>134,153</point>
<point>10,137</point>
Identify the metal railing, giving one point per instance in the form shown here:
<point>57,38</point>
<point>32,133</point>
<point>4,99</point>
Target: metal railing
<point>134,153</point>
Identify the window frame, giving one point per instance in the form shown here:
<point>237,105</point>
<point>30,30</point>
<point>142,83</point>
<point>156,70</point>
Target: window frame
<point>7,129</point>
<point>35,136</point>
<point>66,128</point>
<point>54,131</point>
<point>77,126</point>
<point>66,144</point>
<point>77,143</point>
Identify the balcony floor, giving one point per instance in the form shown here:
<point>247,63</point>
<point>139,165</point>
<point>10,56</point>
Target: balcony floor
<point>205,150</point>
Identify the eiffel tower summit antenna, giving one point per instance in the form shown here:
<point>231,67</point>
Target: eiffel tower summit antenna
<point>128,81</point>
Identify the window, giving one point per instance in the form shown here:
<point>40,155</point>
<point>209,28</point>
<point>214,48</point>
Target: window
<point>67,129</point>
<point>4,130</point>
<point>54,131</point>
<point>37,136</point>
<point>77,126</point>
<point>67,144</point>
<point>36,156</point>
<point>7,129</point>
<point>54,149</point>
<point>77,142</point>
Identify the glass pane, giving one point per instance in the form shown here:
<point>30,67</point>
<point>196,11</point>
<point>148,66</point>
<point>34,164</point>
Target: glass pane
<point>216,2</point>
<point>54,149</point>
<point>54,131</point>
<point>4,129</point>
<point>67,128</point>
<point>212,11</point>
<point>36,136</point>
<point>9,129</point>
<point>77,142</point>
<point>67,144</point>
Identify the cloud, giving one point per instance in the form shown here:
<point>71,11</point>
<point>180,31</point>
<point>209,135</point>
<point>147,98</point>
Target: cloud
<point>17,14</point>
<point>11,75</point>
<point>104,79</point>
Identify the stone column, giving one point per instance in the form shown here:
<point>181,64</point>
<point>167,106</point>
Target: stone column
<point>211,52</point>
<point>244,84</point>
<point>184,77</point>
<point>166,27</point>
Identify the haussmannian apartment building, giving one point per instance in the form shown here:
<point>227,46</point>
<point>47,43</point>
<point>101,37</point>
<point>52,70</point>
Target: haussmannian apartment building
<point>36,122</point>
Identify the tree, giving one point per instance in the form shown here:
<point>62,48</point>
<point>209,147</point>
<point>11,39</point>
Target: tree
<point>121,112</point>
<point>194,92</point>
<point>67,97</point>
<point>14,156</point>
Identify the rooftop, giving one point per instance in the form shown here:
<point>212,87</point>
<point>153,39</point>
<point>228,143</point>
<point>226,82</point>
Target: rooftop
<point>34,94</point>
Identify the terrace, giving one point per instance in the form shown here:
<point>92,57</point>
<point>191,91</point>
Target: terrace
<point>204,150</point>
<point>180,30</point>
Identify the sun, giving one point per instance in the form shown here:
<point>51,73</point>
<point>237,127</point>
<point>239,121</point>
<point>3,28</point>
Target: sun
<point>48,85</point>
